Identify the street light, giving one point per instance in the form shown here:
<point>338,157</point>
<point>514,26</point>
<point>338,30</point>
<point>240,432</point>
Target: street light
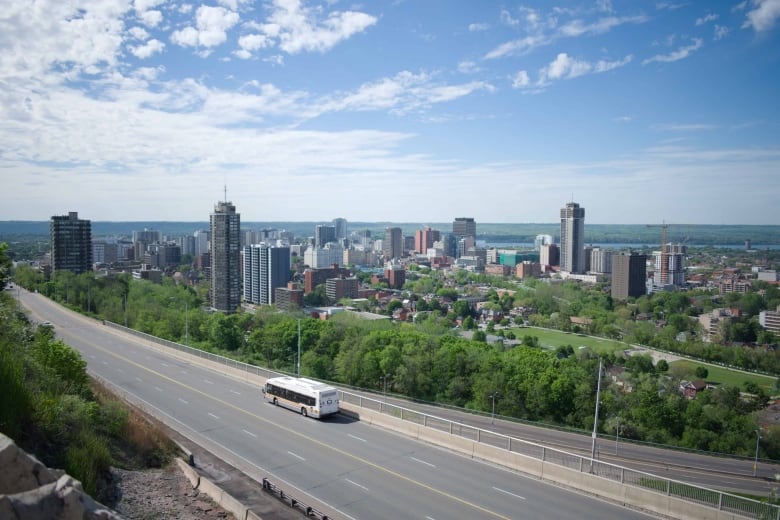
<point>384,387</point>
<point>596,419</point>
<point>755,461</point>
<point>617,435</point>
<point>493,401</point>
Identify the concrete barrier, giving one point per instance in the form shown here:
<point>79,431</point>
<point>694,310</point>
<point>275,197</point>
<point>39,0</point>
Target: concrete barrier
<point>189,472</point>
<point>224,499</point>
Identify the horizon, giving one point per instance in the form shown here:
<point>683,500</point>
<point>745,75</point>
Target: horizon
<point>293,108</point>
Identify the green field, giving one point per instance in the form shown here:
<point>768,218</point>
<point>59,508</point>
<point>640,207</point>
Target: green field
<point>725,376</point>
<point>553,339</point>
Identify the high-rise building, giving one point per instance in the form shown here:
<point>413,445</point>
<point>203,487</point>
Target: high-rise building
<point>201,242</point>
<point>549,255</point>
<point>340,224</point>
<point>675,269</point>
<point>265,269</point>
<point>542,240</point>
<point>323,235</point>
<point>393,243</point>
<point>629,273</point>
<point>424,238</point>
<point>71,243</point>
<point>600,260</point>
<point>463,227</point>
<point>225,257</point>
<point>573,238</point>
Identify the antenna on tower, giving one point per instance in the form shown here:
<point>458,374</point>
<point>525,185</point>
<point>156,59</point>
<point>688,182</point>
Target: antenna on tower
<point>226,193</point>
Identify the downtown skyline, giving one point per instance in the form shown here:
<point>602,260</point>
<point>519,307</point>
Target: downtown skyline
<point>391,111</point>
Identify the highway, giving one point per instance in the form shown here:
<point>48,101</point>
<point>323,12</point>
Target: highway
<point>343,467</point>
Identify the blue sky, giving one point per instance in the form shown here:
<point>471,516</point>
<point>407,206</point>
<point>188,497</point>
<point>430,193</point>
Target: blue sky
<point>405,111</point>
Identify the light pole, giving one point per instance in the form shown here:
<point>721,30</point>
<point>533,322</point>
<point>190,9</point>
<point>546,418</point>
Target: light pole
<point>299,349</point>
<point>595,420</point>
<point>384,387</point>
<point>617,435</point>
<point>493,407</point>
<point>186,323</point>
<point>755,461</point>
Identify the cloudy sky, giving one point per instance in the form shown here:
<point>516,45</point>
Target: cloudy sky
<point>405,111</point>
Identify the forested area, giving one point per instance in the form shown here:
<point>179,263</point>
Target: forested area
<point>429,361</point>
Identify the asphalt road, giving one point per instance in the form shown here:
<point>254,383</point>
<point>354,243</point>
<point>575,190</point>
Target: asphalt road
<point>342,467</point>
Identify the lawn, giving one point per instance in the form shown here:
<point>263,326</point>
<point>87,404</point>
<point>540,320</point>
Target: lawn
<point>553,339</point>
<point>725,376</point>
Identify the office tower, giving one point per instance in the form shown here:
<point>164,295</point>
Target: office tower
<point>549,255</point>
<point>393,243</point>
<point>71,243</point>
<point>629,273</point>
<point>675,268</point>
<point>323,235</point>
<point>601,260</point>
<point>340,224</point>
<point>424,238</point>
<point>463,227</point>
<point>572,238</point>
<point>364,237</point>
<point>201,242</point>
<point>265,269</point>
<point>225,257</point>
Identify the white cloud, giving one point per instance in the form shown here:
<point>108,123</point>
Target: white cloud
<point>679,54</point>
<point>721,31</point>
<point>762,15</point>
<point>147,49</point>
<point>252,42</point>
<point>566,67</point>
<point>507,18</point>
<point>521,80</point>
<point>686,127</point>
<point>299,29</point>
<point>706,19</point>
<point>211,26</point>
<point>520,46</point>
<point>468,67</point>
<point>476,27</point>
<point>276,59</point>
<point>151,18</point>
<point>578,27</point>
<point>138,33</point>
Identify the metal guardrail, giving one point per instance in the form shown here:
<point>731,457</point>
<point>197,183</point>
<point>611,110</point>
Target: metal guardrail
<point>722,501</point>
<point>292,501</point>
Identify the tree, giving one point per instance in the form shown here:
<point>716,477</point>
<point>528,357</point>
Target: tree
<point>5,265</point>
<point>701,372</point>
<point>662,366</point>
<point>479,335</point>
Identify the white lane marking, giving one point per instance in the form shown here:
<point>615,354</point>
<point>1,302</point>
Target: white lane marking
<point>430,518</point>
<point>356,438</point>
<point>364,488</point>
<point>296,456</point>
<point>183,401</point>
<point>508,493</point>
<point>250,433</point>
<point>92,356</point>
<point>234,392</point>
<point>120,370</point>
<point>164,364</point>
<point>214,416</point>
<point>183,371</point>
<point>158,388</point>
<point>209,382</point>
<point>105,362</point>
<point>423,462</point>
<point>139,379</point>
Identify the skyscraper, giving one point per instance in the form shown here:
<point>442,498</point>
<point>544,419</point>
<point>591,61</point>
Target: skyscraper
<point>71,243</point>
<point>324,234</point>
<point>265,268</point>
<point>463,227</point>
<point>393,243</point>
<point>573,238</point>
<point>341,227</point>
<point>629,272</point>
<point>225,257</point>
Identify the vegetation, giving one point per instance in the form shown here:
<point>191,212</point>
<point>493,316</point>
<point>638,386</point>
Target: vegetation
<point>50,407</point>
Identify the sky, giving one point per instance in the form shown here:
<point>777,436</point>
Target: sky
<point>401,111</point>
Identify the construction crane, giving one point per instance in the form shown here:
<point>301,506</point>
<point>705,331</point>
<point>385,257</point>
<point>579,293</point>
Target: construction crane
<point>664,259</point>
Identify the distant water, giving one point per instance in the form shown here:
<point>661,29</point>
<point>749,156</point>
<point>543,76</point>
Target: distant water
<point>623,245</point>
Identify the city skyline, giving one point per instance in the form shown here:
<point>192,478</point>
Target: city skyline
<point>146,109</point>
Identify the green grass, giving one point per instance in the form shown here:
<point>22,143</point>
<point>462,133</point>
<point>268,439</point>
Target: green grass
<point>725,376</point>
<point>552,339</point>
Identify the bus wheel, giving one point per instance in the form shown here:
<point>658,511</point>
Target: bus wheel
<point>303,412</point>
<point>275,403</point>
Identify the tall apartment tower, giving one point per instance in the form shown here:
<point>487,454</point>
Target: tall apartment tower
<point>225,257</point>
<point>393,244</point>
<point>341,227</point>
<point>71,243</point>
<point>629,273</point>
<point>573,238</point>
<point>265,269</point>
<point>424,238</point>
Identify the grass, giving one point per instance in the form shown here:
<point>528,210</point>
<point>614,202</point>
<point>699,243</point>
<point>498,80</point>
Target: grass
<point>552,339</point>
<point>725,376</point>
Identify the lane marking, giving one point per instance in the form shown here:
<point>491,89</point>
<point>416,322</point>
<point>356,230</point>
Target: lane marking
<point>183,401</point>
<point>158,388</point>
<point>296,456</point>
<point>423,462</point>
<point>214,416</point>
<point>509,493</point>
<point>120,370</point>
<point>139,379</point>
<point>295,433</point>
<point>364,488</point>
<point>183,371</point>
<point>356,438</point>
<point>164,364</point>
<point>249,433</point>
<point>234,392</point>
<point>208,382</point>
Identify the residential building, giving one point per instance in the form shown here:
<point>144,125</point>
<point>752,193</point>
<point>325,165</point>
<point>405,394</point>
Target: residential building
<point>225,226</point>
<point>319,257</point>
<point>528,269</point>
<point>463,227</point>
<point>71,243</point>
<point>316,276</point>
<point>201,242</point>
<point>770,320</point>
<point>573,238</point>
<point>395,274</point>
<point>338,288</point>
<point>675,268</point>
<point>266,268</point>
<point>629,273</point>
<point>323,235</point>
<point>424,238</point>
<point>549,255</point>
<point>289,298</point>
<point>104,252</point>
<point>601,260</point>
<point>542,240</point>
<point>340,225</point>
<point>393,243</point>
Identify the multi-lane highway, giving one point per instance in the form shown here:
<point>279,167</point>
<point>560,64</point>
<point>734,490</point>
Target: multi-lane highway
<point>343,467</point>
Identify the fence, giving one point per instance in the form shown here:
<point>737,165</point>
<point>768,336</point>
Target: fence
<point>722,501</point>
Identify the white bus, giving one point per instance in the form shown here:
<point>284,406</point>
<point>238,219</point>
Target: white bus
<point>310,398</point>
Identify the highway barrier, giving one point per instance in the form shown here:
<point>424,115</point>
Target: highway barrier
<point>291,501</point>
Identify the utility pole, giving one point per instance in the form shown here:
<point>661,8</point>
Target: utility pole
<point>186,323</point>
<point>596,419</point>
<point>299,348</point>
<point>493,413</point>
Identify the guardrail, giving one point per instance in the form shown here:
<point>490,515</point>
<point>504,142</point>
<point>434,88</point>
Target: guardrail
<point>292,501</point>
<point>719,500</point>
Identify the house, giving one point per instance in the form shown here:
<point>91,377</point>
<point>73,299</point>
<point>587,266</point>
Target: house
<point>691,388</point>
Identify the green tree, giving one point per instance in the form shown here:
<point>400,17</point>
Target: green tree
<point>5,265</point>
